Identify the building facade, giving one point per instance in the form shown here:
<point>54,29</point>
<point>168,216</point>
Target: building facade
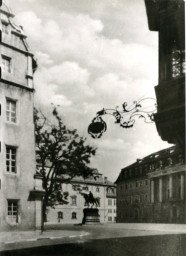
<point>72,212</point>
<point>168,19</point>
<point>17,151</point>
<point>153,189</point>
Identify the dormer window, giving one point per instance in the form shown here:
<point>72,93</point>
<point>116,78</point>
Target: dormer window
<point>15,39</point>
<point>5,28</point>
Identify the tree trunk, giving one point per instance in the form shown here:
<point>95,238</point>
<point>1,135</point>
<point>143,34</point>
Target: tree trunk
<point>44,217</point>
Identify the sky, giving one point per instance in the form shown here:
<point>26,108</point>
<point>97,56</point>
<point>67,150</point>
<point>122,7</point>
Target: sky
<point>93,54</point>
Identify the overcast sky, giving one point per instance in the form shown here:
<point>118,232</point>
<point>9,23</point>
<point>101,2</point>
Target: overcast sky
<point>94,54</point>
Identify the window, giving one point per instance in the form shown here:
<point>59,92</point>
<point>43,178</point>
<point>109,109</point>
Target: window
<point>98,201</point>
<point>109,218</point>
<point>168,193</point>
<point>130,173</point>
<point>141,183</point>
<point>6,64</point>
<point>136,184</point>
<point>4,27</point>
<point>74,215</point>
<point>109,201</point>
<point>11,110</point>
<point>126,186</point>
<point>74,201</point>
<point>85,188</point>
<point>178,60</point>
<point>109,210</point>
<point>97,189</point>
<point>60,215</point>
<point>11,159</point>
<point>146,182</point>
<point>13,211</point>
<point>15,39</point>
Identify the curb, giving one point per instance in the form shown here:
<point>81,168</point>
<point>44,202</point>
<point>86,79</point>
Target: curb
<point>52,238</point>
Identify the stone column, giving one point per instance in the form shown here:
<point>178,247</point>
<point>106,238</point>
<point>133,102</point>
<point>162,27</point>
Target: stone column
<point>160,189</point>
<point>182,186</point>
<point>152,190</point>
<point>170,186</point>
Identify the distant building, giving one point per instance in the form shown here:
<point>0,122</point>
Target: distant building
<point>17,152</point>
<point>101,188</point>
<point>153,189</point>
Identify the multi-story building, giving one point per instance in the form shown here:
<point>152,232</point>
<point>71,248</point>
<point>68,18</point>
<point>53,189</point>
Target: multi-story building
<point>17,152</point>
<point>153,189</point>
<point>72,212</point>
<point>167,17</point>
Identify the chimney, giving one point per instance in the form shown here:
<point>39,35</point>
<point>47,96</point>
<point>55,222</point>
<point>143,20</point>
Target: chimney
<point>138,160</point>
<point>105,179</point>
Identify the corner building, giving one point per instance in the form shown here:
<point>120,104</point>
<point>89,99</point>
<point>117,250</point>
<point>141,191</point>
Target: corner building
<point>17,156</point>
<point>153,189</point>
<point>72,212</point>
<point>167,18</point>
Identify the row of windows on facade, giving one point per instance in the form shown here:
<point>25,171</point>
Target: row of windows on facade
<point>74,216</point>
<point>111,190</point>
<point>134,184</point>
<point>85,188</point>
<point>111,210</point>
<point>132,214</point>
<point>135,199</point>
<point>111,202</point>
<point>136,213</point>
<point>60,215</point>
<point>176,195</point>
<point>74,201</point>
<point>148,168</point>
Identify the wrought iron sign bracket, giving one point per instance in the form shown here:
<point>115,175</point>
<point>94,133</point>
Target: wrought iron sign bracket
<point>126,118</point>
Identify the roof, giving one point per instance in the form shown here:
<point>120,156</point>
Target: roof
<point>151,159</point>
<point>95,180</point>
<point>6,10</point>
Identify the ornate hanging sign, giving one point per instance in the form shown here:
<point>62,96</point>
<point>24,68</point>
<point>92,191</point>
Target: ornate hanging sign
<point>126,118</point>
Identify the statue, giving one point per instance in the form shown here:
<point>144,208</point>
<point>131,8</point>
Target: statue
<point>90,199</point>
<point>90,214</point>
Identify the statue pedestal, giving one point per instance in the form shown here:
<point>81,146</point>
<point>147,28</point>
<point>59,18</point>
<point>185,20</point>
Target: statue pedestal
<point>91,216</point>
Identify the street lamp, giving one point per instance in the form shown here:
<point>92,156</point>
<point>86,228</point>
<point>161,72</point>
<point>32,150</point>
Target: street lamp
<point>126,117</point>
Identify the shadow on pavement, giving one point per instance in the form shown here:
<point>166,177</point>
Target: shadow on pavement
<point>165,245</point>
